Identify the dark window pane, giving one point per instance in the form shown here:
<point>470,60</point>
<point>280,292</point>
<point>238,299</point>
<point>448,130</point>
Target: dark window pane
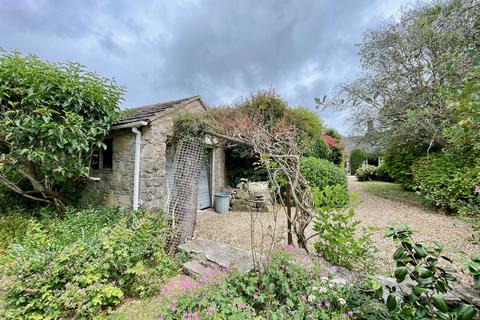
<point>96,159</point>
<point>108,154</point>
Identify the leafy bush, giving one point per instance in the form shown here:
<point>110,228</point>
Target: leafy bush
<point>308,124</point>
<point>318,148</point>
<point>332,138</point>
<point>13,226</point>
<point>284,290</point>
<point>420,264</point>
<point>382,173</point>
<point>88,261</point>
<point>449,181</point>
<point>399,160</point>
<point>267,104</point>
<point>366,173</point>
<point>331,197</point>
<point>472,267</point>
<point>52,115</point>
<point>357,156</point>
<point>321,173</point>
<point>337,241</point>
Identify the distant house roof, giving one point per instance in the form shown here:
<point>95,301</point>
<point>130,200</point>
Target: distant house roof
<point>151,112</point>
<point>355,142</point>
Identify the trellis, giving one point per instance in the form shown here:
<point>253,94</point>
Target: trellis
<point>181,202</point>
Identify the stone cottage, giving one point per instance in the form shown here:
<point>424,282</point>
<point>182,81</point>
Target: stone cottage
<point>134,168</point>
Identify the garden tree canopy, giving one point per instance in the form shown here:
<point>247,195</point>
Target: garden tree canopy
<point>406,64</point>
<point>52,116</point>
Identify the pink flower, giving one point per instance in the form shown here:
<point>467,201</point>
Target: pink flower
<point>477,189</point>
<point>330,141</point>
<point>209,311</point>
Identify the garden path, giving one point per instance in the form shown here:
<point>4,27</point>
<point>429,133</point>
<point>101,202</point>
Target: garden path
<point>234,228</point>
<point>429,226</point>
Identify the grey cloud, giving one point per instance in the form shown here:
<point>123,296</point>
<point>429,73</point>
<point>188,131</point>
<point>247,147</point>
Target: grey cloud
<point>221,50</point>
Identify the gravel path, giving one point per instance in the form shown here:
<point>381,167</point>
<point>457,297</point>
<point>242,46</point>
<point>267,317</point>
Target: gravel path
<point>429,226</point>
<point>234,228</point>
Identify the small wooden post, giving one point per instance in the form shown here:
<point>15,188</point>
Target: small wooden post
<point>289,215</point>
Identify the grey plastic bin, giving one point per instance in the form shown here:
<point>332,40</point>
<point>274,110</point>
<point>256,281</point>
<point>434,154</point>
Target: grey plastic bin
<point>222,202</point>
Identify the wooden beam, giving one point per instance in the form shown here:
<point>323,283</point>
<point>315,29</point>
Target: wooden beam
<point>231,139</point>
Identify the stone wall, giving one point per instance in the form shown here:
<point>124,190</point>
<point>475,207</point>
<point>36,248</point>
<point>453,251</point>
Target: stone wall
<point>116,185</point>
<point>219,166</point>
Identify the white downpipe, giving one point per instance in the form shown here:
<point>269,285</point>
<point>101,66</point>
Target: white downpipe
<point>136,175</point>
<point>212,177</point>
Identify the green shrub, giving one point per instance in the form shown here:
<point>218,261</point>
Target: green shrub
<point>382,173</point>
<point>399,160</point>
<point>86,262</point>
<point>318,148</point>
<point>448,181</point>
<point>366,173</point>
<point>336,228</point>
<point>284,290</point>
<point>332,197</point>
<point>13,226</point>
<point>428,281</point>
<point>321,173</point>
<point>357,156</point>
<point>52,117</point>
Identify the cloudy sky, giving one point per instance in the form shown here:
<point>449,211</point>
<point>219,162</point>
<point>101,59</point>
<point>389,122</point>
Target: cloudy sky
<point>219,49</point>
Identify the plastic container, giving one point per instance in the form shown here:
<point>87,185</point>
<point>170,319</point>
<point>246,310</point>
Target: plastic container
<point>222,202</point>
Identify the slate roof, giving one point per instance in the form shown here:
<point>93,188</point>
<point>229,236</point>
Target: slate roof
<point>151,112</point>
<point>353,142</point>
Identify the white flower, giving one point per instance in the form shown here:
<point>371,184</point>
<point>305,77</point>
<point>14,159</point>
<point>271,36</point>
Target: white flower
<point>324,279</point>
<point>342,301</point>
<point>330,285</point>
<point>311,298</point>
<point>323,290</point>
<point>314,288</point>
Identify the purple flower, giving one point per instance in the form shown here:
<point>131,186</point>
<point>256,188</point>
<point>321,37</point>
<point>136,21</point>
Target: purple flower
<point>209,311</point>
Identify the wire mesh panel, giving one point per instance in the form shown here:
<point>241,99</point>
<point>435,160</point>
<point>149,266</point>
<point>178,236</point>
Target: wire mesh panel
<point>182,184</point>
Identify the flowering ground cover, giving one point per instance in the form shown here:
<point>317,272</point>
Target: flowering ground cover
<point>284,290</point>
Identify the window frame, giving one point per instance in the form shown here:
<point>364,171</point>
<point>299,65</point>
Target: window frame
<point>101,155</point>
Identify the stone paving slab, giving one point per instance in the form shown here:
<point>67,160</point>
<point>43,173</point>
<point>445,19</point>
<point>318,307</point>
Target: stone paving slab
<point>219,254</point>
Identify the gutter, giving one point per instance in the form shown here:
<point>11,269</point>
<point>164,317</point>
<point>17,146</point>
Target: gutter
<point>135,124</point>
<point>138,141</point>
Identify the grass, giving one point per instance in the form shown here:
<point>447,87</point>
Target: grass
<point>392,191</point>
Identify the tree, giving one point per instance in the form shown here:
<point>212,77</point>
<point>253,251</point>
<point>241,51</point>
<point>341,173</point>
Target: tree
<point>357,156</point>
<point>309,126</point>
<point>52,116</point>
<point>406,63</point>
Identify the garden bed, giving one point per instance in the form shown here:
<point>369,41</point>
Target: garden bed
<point>234,228</point>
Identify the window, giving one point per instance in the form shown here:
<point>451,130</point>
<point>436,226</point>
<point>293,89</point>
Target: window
<point>103,158</point>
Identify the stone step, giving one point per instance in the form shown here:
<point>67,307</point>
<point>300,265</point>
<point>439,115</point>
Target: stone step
<point>218,254</point>
<point>196,269</point>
